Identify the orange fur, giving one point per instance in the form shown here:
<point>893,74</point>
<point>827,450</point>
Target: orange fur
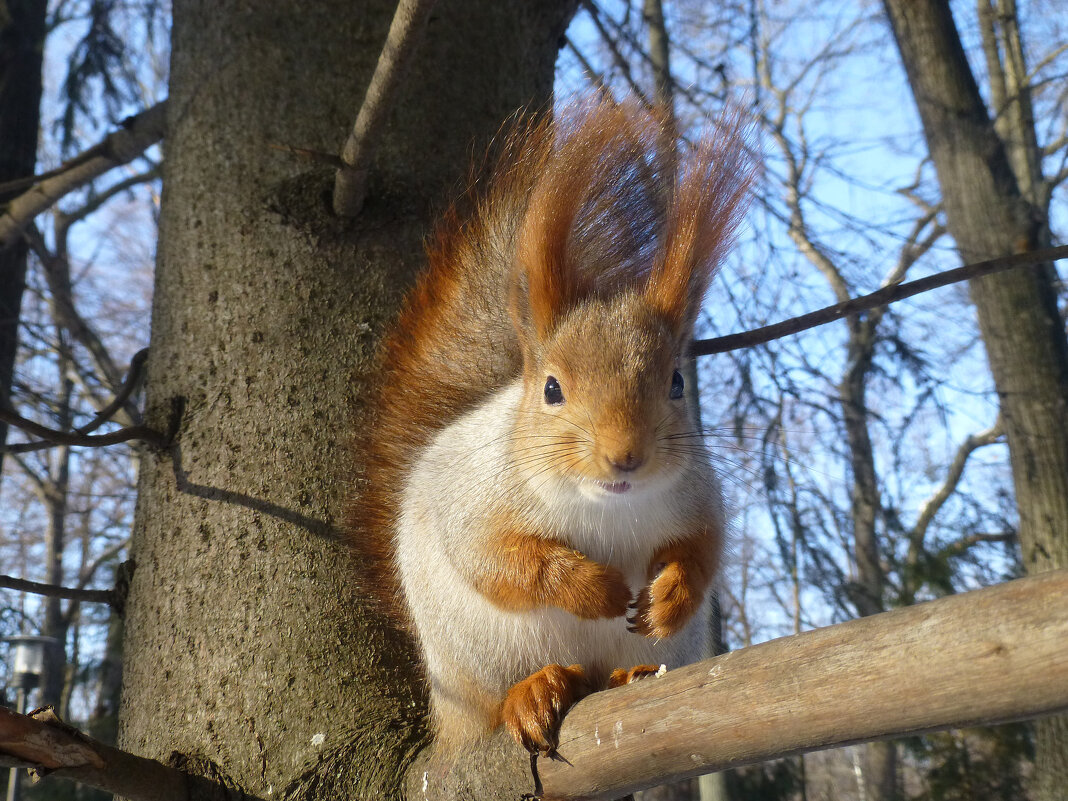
<point>525,571</point>
<point>534,707</point>
<point>679,576</point>
<point>622,676</point>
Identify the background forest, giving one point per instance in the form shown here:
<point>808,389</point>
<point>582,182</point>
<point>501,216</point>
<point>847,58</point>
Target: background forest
<point>866,462</point>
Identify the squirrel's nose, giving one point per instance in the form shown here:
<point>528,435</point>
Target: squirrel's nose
<point>626,462</point>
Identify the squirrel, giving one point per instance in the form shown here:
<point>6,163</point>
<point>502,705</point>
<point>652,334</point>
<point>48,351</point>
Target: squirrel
<point>538,498</point>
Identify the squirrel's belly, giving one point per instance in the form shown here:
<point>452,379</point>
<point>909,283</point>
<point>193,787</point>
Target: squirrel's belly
<point>464,636</point>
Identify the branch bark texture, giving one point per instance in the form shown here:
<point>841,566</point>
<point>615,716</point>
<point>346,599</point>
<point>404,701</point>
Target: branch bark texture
<point>982,657</point>
<point>43,743</point>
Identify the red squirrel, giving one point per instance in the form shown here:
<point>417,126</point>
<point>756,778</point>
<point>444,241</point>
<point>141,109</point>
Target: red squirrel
<point>537,491</point>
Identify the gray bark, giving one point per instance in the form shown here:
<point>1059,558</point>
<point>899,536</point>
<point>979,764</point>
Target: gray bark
<point>22,33</point>
<point>248,645</point>
<point>989,215</point>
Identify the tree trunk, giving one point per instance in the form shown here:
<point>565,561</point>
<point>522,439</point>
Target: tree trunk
<point>989,216</point>
<point>247,643</point>
<point>56,496</point>
<point>880,764</point>
<point>22,34</point>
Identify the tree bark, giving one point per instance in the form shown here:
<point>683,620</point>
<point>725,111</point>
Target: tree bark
<point>22,34</point>
<point>248,645</point>
<point>988,216</point>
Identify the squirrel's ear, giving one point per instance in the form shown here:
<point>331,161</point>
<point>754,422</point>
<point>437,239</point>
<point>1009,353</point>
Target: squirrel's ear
<point>581,168</point>
<point>708,202</point>
<point>545,285</point>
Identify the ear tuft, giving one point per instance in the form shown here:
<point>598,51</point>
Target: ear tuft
<point>595,206</point>
<point>708,202</point>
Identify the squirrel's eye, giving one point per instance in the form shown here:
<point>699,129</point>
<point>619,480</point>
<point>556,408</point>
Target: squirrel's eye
<point>554,396</point>
<point>677,385</point>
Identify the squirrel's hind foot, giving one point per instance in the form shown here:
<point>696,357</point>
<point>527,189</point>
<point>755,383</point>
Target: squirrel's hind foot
<point>535,706</point>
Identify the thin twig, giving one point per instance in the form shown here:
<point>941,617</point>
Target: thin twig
<point>592,75</point>
<point>889,294</point>
<point>621,62</point>
<point>314,156</point>
<point>121,147</point>
<point>350,183</point>
<point>134,375</point>
<point>64,220</point>
<point>55,591</point>
<point>53,437</point>
<point>56,271</point>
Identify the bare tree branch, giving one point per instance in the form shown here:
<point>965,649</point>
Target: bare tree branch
<point>54,591</point>
<point>48,746</point>
<point>958,547</point>
<point>56,270</point>
<point>350,183</point>
<point>134,374</point>
<point>881,297</point>
<point>617,56</point>
<point>79,437</point>
<point>53,437</point>
<point>138,133</point>
<point>911,252</point>
<point>592,75</point>
<point>64,220</point>
<point>953,476</point>
<point>87,572</point>
<point>978,658</point>
<point>829,687</point>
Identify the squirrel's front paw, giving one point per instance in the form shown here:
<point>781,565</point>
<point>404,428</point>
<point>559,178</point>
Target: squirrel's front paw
<point>534,707</point>
<point>665,604</point>
<point>589,589</point>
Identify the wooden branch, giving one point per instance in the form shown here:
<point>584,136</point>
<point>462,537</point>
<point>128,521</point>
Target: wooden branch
<point>350,183</point>
<point>54,591</point>
<point>118,148</point>
<point>889,294</point>
<point>978,658</point>
<point>134,374</point>
<point>46,745</point>
<point>64,220</point>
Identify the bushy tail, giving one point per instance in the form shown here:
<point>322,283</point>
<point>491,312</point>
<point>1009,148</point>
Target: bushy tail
<point>582,206</point>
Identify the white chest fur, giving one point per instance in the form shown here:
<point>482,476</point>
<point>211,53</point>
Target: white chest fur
<point>448,495</point>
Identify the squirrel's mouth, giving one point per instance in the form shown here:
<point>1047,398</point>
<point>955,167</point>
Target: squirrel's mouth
<point>614,487</point>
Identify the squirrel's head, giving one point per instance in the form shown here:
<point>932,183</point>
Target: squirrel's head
<point>614,253</point>
<point>603,402</point>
